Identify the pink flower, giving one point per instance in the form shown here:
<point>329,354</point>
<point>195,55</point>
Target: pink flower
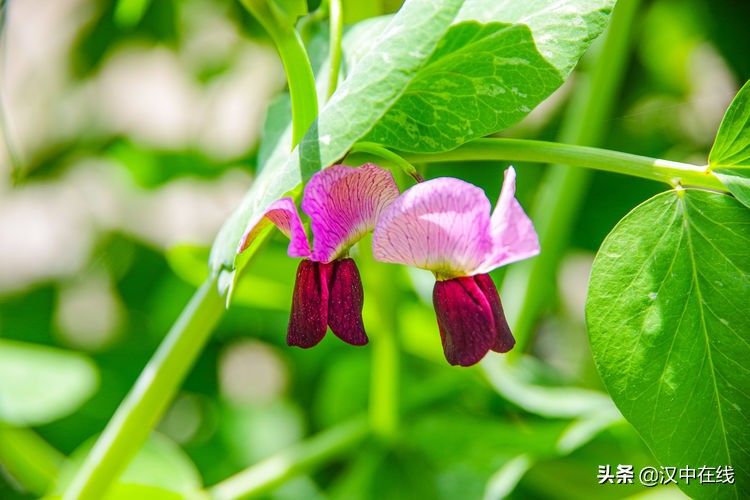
<point>444,225</point>
<point>343,204</point>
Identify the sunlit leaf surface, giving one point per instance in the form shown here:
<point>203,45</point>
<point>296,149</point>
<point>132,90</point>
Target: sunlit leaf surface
<point>669,324</point>
<point>730,155</point>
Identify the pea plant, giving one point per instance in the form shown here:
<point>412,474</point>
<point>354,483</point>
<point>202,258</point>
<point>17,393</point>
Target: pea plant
<point>346,172</point>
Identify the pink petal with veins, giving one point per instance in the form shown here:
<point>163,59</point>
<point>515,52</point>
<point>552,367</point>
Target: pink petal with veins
<point>343,204</point>
<point>513,234</point>
<point>442,225</point>
<point>283,213</point>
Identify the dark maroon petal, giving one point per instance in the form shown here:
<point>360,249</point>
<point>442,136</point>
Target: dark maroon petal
<point>345,302</point>
<point>504,340</point>
<point>465,319</point>
<point>309,318</point>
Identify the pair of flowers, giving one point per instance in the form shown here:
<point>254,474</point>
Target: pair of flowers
<point>442,225</point>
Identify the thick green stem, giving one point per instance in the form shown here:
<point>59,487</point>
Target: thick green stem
<point>671,172</point>
<point>336,26</point>
<point>29,459</point>
<point>380,307</point>
<point>299,73</point>
<point>144,405</point>
<point>276,469</point>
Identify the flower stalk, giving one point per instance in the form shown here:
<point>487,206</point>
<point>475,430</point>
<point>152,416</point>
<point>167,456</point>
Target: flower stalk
<point>505,149</point>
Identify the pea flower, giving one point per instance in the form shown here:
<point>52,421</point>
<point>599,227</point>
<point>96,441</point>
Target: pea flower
<point>343,204</point>
<point>444,225</point>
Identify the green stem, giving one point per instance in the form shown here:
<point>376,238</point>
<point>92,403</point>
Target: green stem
<point>386,154</point>
<point>671,172</point>
<point>29,459</point>
<point>384,412</point>
<point>149,397</point>
<point>299,73</point>
<point>384,378</point>
<point>276,469</point>
<point>336,24</point>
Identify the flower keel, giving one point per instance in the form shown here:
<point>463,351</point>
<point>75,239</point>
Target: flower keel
<point>470,318</point>
<point>308,320</point>
<point>504,340</point>
<point>345,302</point>
<point>326,294</point>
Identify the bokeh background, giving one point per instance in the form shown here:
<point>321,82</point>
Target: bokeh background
<point>128,139</point>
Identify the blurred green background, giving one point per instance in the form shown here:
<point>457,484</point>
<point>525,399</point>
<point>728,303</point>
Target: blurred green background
<point>128,140</point>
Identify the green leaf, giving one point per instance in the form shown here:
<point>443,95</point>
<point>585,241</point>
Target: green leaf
<point>563,30</point>
<point>486,77</point>
<point>275,126</point>
<point>42,384</point>
<point>369,91</point>
<point>730,156</point>
<point>669,324</point>
<point>481,78</point>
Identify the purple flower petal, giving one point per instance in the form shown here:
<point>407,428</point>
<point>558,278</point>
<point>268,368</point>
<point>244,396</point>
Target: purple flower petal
<point>309,317</point>
<point>345,301</point>
<point>465,319</point>
<point>442,225</point>
<point>504,340</point>
<point>283,213</point>
<point>343,204</point>
<point>513,234</point>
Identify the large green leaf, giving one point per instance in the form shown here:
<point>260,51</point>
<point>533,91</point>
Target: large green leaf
<point>730,156</point>
<point>39,384</point>
<point>481,78</point>
<point>358,103</point>
<point>669,324</point>
<point>485,77</point>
